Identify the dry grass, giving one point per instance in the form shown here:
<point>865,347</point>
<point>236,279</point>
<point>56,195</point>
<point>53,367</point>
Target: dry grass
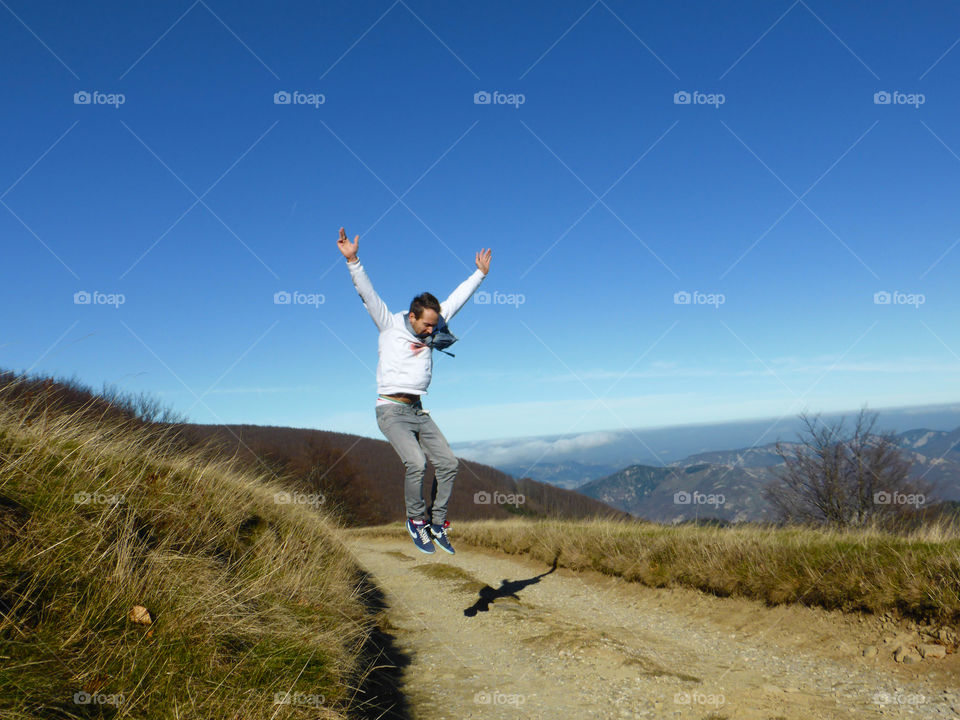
<point>914,574</point>
<point>249,597</point>
<point>451,573</point>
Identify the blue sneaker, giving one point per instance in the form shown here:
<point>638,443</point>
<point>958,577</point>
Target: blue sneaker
<point>439,534</point>
<point>421,538</point>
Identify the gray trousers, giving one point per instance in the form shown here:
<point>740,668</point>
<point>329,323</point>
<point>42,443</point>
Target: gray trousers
<point>414,435</point>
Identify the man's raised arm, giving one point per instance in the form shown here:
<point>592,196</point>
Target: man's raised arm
<point>371,301</point>
<point>450,306</point>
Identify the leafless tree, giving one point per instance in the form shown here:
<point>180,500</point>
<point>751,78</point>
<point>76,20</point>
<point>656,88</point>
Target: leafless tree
<point>835,478</point>
<point>143,406</point>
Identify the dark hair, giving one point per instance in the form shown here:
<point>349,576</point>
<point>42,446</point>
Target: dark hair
<point>424,301</point>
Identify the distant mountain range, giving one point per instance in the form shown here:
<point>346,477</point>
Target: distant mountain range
<point>568,474</point>
<point>571,459</point>
<point>727,484</point>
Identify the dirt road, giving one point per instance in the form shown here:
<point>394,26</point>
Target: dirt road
<point>496,636</point>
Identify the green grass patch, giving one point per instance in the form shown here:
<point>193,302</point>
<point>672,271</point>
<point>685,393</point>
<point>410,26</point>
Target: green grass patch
<point>249,598</point>
<point>464,580</point>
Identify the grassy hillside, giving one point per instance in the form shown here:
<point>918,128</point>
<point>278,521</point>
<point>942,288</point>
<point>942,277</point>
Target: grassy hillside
<point>251,608</point>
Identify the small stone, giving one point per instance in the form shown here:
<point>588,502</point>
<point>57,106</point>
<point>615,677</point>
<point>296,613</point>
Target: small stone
<point>870,651</point>
<point>928,651</point>
<point>906,655</point>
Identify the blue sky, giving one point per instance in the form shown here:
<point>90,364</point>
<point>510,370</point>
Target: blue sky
<point>783,197</point>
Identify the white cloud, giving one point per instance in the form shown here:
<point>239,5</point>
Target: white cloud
<point>523,449</point>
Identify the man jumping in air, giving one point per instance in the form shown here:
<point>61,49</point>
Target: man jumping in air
<point>403,373</point>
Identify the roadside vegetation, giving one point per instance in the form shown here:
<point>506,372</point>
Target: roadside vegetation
<point>914,573</point>
<point>141,578</point>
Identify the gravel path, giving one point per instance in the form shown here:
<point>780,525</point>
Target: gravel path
<point>497,636</point>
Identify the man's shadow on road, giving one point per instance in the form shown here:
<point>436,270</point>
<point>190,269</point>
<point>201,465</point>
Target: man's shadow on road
<point>508,588</point>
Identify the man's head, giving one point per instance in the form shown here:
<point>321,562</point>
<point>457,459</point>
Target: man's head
<point>424,314</point>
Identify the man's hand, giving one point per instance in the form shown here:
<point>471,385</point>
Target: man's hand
<point>349,249</point>
<point>483,260</point>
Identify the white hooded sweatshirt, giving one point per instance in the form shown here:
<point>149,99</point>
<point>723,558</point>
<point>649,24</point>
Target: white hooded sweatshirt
<point>405,363</point>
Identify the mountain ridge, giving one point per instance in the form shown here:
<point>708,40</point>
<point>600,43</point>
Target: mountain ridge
<point>727,484</point>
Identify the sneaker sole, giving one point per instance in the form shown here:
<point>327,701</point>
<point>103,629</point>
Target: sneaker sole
<point>425,551</point>
<point>451,551</point>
